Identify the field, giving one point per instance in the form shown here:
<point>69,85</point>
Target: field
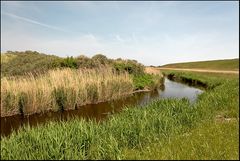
<point>228,64</point>
<point>163,129</point>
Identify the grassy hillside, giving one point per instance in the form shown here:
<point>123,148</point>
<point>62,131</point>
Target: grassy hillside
<point>18,63</point>
<point>227,64</point>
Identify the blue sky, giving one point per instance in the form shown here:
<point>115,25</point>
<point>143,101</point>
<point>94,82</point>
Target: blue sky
<point>153,33</point>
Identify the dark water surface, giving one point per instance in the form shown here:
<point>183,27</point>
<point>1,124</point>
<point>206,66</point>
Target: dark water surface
<point>101,110</point>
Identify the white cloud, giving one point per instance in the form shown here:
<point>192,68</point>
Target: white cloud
<point>32,21</point>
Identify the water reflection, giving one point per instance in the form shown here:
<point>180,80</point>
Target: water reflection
<point>178,90</point>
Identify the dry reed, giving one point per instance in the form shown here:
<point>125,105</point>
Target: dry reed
<point>62,90</point>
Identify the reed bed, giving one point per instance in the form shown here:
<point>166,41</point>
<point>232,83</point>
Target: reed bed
<point>62,90</point>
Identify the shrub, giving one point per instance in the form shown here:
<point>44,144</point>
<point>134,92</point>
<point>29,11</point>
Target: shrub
<point>131,66</point>
<point>20,63</point>
<point>100,59</point>
<point>141,81</point>
<point>85,62</point>
<point>69,62</point>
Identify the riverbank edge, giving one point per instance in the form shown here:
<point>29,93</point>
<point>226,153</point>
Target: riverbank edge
<point>157,83</point>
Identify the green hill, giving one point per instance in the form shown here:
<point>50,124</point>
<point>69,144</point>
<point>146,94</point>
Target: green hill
<point>18,63</point>
<point>226,64</point>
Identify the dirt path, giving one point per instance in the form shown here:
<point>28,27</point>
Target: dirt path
<point>202,70</point>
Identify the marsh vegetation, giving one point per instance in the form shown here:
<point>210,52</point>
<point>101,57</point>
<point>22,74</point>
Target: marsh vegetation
<point>162,129</point>
<point>70,83</point>
<point>151,132</point>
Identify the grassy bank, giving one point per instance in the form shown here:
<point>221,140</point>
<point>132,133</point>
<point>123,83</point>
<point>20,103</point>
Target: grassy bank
<point>61,90</point>
<point>163,129</point>
<point>228,64</point>
<point>147,81</point>
<point>209,141</point>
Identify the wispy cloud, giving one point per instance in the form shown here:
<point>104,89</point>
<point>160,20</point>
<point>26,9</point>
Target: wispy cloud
<point>118,38</point>
<point>154,33</point>
<point>33,21</point>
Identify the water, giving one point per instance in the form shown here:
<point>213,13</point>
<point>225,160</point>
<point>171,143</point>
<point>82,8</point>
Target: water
<point>178,90</point>
<point>101,110</point>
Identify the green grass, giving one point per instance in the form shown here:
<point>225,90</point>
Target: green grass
<point>214,141</point>
<point>203,77</point>
<point>163,129</point>
<point>227,64</point>
<point>146,81</point>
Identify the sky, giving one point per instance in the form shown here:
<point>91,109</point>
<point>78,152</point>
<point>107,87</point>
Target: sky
<point>151,32</point>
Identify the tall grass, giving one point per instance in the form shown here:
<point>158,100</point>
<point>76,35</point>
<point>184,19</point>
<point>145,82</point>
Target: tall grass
<point>147,81</point>
<point>167,129</point>
<point>61,90</point>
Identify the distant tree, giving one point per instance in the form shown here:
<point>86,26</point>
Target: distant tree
<point>9,52</point>
<point>69,62</point>
<point>31,52</point>
<point>131,66</point>
<point>99,58</point>
<point>119,59</point>
<point>85,62</point>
